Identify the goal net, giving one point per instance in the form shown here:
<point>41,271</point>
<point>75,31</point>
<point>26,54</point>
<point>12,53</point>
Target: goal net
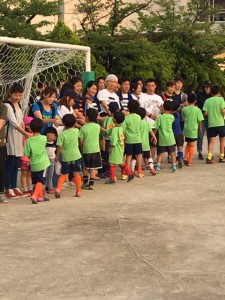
<point>30,62</point>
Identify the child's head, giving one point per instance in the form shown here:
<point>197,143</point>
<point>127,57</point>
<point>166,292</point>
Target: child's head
<point>192,98</point>
<point>215,90</point>
<point>51,134</point>
<point>113,107</point>
<point>141,112</point>
<point>91,115</point>
<point>133,106</point>
<point>168,105</point>
<point>36,125</point>
<point>118,117</point>
<point>26,122</point>
<point>69,120</point>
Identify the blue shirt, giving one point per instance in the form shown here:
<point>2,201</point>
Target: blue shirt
<point>46,115</point>
<point>176,124</point>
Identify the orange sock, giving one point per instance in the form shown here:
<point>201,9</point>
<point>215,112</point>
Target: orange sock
<point>77,180</point>
<point>140,170</point>
<point>191,153</point>
<point>38,189</point>
<point>186,153</point>
<point>61,180</point>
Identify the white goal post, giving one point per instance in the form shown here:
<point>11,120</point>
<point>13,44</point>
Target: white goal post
<point>29,62</point>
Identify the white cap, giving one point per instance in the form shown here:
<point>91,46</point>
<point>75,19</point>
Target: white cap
<point>111,77</point>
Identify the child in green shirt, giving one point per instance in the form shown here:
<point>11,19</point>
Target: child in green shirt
<point>89,145</point>
<point>167,141</point>
<point>35,149</point>
<point>146,134</point>
<point>192,117</point>
<point>68,145</point>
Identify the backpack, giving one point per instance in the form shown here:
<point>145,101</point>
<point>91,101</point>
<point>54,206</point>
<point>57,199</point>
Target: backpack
<point>14,110</point>
<point>39,103</point>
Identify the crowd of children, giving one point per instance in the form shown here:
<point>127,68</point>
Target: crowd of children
<point>69,137</point>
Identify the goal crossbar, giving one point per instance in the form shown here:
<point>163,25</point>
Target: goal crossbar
<point>19,41</point>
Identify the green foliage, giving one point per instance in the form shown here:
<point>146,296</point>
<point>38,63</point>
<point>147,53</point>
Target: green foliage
<point>17,17</point>
<point>62,33</point>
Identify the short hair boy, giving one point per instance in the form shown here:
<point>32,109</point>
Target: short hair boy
<point>89,144</point>
<point>167,141</point>
<point>39,161</point>
<point>193,117</point>
<point>68,145</point>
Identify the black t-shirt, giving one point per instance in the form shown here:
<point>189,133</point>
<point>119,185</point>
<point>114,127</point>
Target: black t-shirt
<point>201,98</point>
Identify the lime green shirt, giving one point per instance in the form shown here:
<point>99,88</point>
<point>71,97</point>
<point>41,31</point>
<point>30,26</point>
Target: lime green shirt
<point>192,115</point>
<point>108,124</point>
<point>213,106</point>
<point>68,140</point>
<point>164,125</point>
<point>117,141</point>
<point>35,149</point>
<point>145,130</point>
<point>89,134</point>
<point>132,125</point>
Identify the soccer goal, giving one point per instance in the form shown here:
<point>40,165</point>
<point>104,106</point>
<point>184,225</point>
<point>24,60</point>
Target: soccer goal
<point>29,62</point>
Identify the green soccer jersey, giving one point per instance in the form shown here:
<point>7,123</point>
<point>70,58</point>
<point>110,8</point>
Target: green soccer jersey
<point>164,125</point>
<point>68,140</point>
<point>213,106</point>
<point>108,124</point>
<point>89,134</point>
<point>132,126</point>
<point>192,115</point>
<point>117,141</point>
<point>35,149</point>
<point>145,129</point>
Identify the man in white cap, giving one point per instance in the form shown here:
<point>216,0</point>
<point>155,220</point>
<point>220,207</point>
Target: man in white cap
<point>108,95</point>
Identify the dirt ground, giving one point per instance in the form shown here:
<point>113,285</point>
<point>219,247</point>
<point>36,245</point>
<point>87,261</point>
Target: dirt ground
<point>158,237</point>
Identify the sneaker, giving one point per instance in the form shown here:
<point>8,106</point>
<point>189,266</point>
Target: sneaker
<point>153,171</point>
<point>18,193</point>
<point>42,199</point>
<point>3,199</point>
<point>200,156</point>
<point>10,194</point>
<point>110,181</point>
<point>78,194</point>
<point>57,193</point>
<point>185,161</point>
<point>157,169</point>
<point>209,161</point>
<point>34,199</point>
<point>130,177</point>
<point>84,186</point>
<point>124,177</point>
<point>91,187</point>
<point>174,169</point>
<point>180,163</point>
<point>71,183</point>
<point>140,175</point>
<point>221,160</point>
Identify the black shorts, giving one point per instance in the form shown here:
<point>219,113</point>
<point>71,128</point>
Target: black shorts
<point>190,140</point>
<point>146,154</point>
<point>163,149</point>
<point>71,166</point>
<point>179,140</point>
<point>133,149</point>
<point>92,161</point>
<point>39,176</point>
<point>214,131</point>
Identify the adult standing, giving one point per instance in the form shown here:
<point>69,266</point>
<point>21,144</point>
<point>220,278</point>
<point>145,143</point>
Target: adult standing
<point>3,153</point>
<point>14,136</point>
<point>201,98</point>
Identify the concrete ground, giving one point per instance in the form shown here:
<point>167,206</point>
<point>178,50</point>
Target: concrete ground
<point>154,238</point>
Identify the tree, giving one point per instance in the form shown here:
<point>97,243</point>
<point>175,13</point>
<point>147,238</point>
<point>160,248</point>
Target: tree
<point>17,17</point>
<point>63,34</point>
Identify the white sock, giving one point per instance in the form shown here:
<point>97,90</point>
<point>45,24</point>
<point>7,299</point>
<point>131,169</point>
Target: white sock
<point>150,162</point>
<point>133,164</point>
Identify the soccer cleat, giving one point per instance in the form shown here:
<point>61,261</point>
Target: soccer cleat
<point>124,177</point>
<point>130,177</point>
<point>221,160</point>
<point>34,199</point>
<point>157,169</point>
<point>209,161</point>
<point>110,181</point>
<point>200,156</point>
<point>57,193</point>
<point>140,175</point>
<point>91,187</point>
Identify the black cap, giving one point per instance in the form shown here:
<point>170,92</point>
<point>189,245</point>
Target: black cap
<point>207,83</point>
<point>71,94</point>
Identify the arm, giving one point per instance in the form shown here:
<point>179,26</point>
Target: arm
<point>38,115</point>
<point>105,105</point>
<point>223,111</point>
<point>2,123</point>
<point>58,152</point>
<point>154,139</point>
<point>13,121</point>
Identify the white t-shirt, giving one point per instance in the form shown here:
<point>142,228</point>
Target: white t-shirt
<point>63,110</point>
<point>105,95</point>
<point>151,103</point>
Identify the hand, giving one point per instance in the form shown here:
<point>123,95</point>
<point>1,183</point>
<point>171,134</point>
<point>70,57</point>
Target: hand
<point>154,141</point>
<point>154,117</point>
<point>28,135</point>
<point>56,122</point>
<point>56,159</point>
